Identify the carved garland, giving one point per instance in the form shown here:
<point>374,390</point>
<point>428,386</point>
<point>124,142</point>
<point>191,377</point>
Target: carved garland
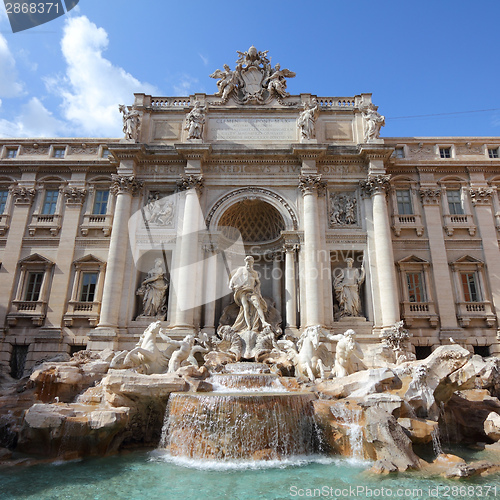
<point>74,195</point>
<point>125,184</point>
<point>480,196</point>
<point>430,196</point>
<point>257,190</point>
<point>23,196</point>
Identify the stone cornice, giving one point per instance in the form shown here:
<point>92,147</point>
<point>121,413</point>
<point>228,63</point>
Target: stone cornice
<point>194,151</point>
<point>309,151</point>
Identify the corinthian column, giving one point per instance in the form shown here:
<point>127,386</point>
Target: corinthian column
<point>290,287</point>
<point>185,278</point>
<point>123,187</point>
<point>376,186</point>
<point>312,186</point>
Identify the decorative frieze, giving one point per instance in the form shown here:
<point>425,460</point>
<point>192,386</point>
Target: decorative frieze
<point>75,195</point>
<point>375,184</point>
<point>481,196</point>
<point>430,196</point>
<point>23,195</point>
<point>310,184</point>
<point>36,150</point>
<point>189,182</point>
<point>125,184</point>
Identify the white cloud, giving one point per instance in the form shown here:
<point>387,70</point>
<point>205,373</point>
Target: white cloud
<point>92,87</point>
<point>9,84</point>
<point>204,59</point>
<point>184,85</point>
<point>34,120</point>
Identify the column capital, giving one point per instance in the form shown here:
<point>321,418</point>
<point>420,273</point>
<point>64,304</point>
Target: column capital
<point>191,181</point>
<point>125,184</point>
<point>291,247</point>
<point>481,196</point>
<point>23,195</point>
<point>210,247</point>
<point>375,184</point>
<point>74,195</point>
<point>430,196</point>
<point>310,184</point>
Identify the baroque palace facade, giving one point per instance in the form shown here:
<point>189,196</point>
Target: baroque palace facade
<point>99,237</point>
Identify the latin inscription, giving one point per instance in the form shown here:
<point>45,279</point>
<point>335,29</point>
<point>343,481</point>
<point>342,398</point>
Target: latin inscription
<point>253,129</point>
<point>251,169</point>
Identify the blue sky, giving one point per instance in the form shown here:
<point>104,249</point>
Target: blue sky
<point>66,78</point>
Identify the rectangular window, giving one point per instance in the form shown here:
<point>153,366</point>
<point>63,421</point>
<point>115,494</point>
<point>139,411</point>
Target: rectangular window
<point>399,153</point>
<point>59,152</point>
<point>11,152</point>
<point>445,152</point>
<point>89,282</point>
<point>18,360</point>
<point>50,202</point>
<point>105,153</point>
<point>493,152</point>
<point>3,200</point>
<point>416,290</point>
<point>470,287</point>
<point>403,197</point>
<point>34,287</point>
<point>100,202</point>
<point>455,201</point>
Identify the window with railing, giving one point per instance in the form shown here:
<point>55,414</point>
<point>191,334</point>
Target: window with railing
<point>50,202</point>
<point>403,197</point>
<point>470,287</point>
<point>100,202</point>
<point>33,286</point>
<point>455,202</point>
<point>88,288</point>
<point>416,287</point>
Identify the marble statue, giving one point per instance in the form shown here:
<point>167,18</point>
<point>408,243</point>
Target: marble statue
<point>307,120</point>
<point>346,285</point>
<point>159,210</point>
<point>276,82</point>
<point>182,353</point>
<point>131,122</point>
<point>310,356</point>
<point>146,357</point>
<point>245,284</point>
<point>347,348</point>
<point>154,291</point>
<point>374,121</point>
<point>397,338</point>
<point>228,82</point>
<point>195,120</point>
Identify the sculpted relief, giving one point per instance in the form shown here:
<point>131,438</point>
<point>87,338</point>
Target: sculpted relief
<point>254,80</point>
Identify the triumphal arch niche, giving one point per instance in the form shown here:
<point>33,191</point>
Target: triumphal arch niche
<point>295,181</point>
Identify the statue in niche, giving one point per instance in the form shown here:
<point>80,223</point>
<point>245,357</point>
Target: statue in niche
<point>154,292</point>
<point>245,284</point>
<point>347,348</point>
<point>307,120</point>
<point>343,210</point>
<point>277,81</point>
<point>228,82</point>
<point>131,122</point>
<point>159,210</point>
<point>347,287</point>
<point>374,121</point>
<point>195,121</point>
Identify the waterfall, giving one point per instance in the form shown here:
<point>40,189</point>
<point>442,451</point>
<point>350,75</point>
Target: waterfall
<point>350,419</point>
<point>436,442</point>
<point>270,424</point>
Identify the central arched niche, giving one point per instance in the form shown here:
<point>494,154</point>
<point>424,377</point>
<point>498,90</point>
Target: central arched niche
<point>259,224</point>
<point>256,221</point>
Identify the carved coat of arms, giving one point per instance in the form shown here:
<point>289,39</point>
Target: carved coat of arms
<point>254,80</point>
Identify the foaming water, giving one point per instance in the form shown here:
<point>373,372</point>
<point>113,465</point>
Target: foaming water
<point>242,465</point>
<point>248,382</point>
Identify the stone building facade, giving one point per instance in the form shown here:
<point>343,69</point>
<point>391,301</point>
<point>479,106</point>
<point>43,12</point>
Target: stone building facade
<point>302,183</point>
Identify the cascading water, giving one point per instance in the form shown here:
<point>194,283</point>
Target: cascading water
<point>245,423</point>
<point>350,418</point>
